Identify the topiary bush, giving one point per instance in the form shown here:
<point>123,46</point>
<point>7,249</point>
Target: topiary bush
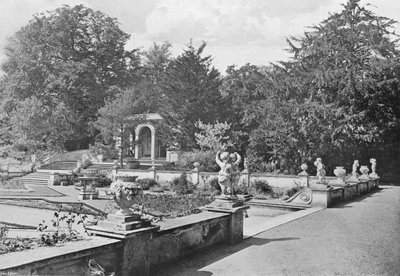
<point>147,183</point>
<point>181,185</point>
<point>262,187</point>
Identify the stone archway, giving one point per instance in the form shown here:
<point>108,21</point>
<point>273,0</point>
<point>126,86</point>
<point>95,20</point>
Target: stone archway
<point>146,134</point>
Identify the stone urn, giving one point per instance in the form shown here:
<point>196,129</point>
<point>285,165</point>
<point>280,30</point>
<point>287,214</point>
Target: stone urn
<point>340,173</point>
<point>125,191</point>
<point>304,168</point>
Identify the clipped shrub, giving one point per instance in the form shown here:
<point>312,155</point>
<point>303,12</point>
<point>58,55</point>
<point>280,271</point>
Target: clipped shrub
<point>147,183</point>
<point>205,158</point>
<point>262,187</point>
<point>181,185</point>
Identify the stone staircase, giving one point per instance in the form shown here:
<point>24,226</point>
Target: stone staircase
<point>61,165</point>
<point>36,178</point>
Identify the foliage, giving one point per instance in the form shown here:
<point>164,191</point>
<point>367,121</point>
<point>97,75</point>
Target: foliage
<point>118,118</point>
<point>41,125</point>
<point>8,245</point>
<point>205,158</point>
<point>64,228</point>
<point>213,137</point>
<point>170,206</point>
<point>262,187</point>
<point>147,183</point>
<point>181,185</point>
<point>156,60</point>
<point>12,184</point>
<point>214,185</point>
<point>190,93</point>
<point>335,99</point>
<point>103,181</point>
<point>242,89</point>
<point>292,191</point>
<point>66,59</point>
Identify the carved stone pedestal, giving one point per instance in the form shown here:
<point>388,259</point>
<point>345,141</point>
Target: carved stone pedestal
<point>135,253</point>
<point>88,188</point>
<point>123,223</point>
<point>224,203</point>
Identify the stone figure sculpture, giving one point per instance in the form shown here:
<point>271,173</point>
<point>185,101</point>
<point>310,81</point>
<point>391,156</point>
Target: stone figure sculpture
<point>224,175</point>
<point>373,167</point>
<point>321,173</point>
<point>234,160</point>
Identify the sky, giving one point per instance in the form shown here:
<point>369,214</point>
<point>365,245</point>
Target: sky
<point>236,31</point>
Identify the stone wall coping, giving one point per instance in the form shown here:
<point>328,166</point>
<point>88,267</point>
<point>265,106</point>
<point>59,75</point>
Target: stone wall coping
<point>67,172</point>
<point>50,254</point>
<point>187,221</point>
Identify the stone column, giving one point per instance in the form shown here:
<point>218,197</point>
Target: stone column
<point>153,170</point>
<point>304,177</point>
<point>137,130</point>
<point>235,231</point>
<point>153,143</point>
<point>135,253</point>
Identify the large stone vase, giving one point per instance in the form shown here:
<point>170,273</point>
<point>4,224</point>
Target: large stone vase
<point>125,191</point>
<point>340,173</point>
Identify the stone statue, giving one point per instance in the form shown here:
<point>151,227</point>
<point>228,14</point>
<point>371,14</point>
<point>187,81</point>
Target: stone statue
<point>224,176</point>
<point>234,160</point>
<point>321,173</point>
<point>373,167</point>
<point>356,164</point>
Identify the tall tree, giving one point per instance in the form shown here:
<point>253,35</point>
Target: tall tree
<point>191,93</point>
<point>71,55</point>
<point>156,60</point>
<point>337,98</point>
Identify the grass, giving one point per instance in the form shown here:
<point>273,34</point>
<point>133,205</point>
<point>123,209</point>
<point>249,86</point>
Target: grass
<point>56,206</point>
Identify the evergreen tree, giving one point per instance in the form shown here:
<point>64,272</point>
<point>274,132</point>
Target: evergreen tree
<point>190,93</point>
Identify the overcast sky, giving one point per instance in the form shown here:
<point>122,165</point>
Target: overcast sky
<point>236,31</point>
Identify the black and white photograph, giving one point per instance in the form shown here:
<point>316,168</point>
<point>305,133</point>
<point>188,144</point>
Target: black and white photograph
<point>200,137</point>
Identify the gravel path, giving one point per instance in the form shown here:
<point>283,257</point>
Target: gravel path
<point>358,238</point>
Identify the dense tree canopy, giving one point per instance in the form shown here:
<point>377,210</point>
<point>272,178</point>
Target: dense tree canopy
<point>338,97</point>
<point>71,56</point>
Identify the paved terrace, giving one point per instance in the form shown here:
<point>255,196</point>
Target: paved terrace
<point>357,238</point>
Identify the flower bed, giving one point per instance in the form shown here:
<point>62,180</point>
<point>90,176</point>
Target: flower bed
<point>168,205</point>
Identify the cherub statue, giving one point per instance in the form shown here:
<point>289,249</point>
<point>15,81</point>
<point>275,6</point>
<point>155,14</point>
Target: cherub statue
<point>373,167</point>
<point>356,164</point>
<point>225,174</point>
<point>234,160</point>
<point>320,170</point>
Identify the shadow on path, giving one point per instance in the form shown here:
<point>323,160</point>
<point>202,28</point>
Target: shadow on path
<point>191,264</point>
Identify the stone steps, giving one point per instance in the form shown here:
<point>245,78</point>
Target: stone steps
<point>36,178</point>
